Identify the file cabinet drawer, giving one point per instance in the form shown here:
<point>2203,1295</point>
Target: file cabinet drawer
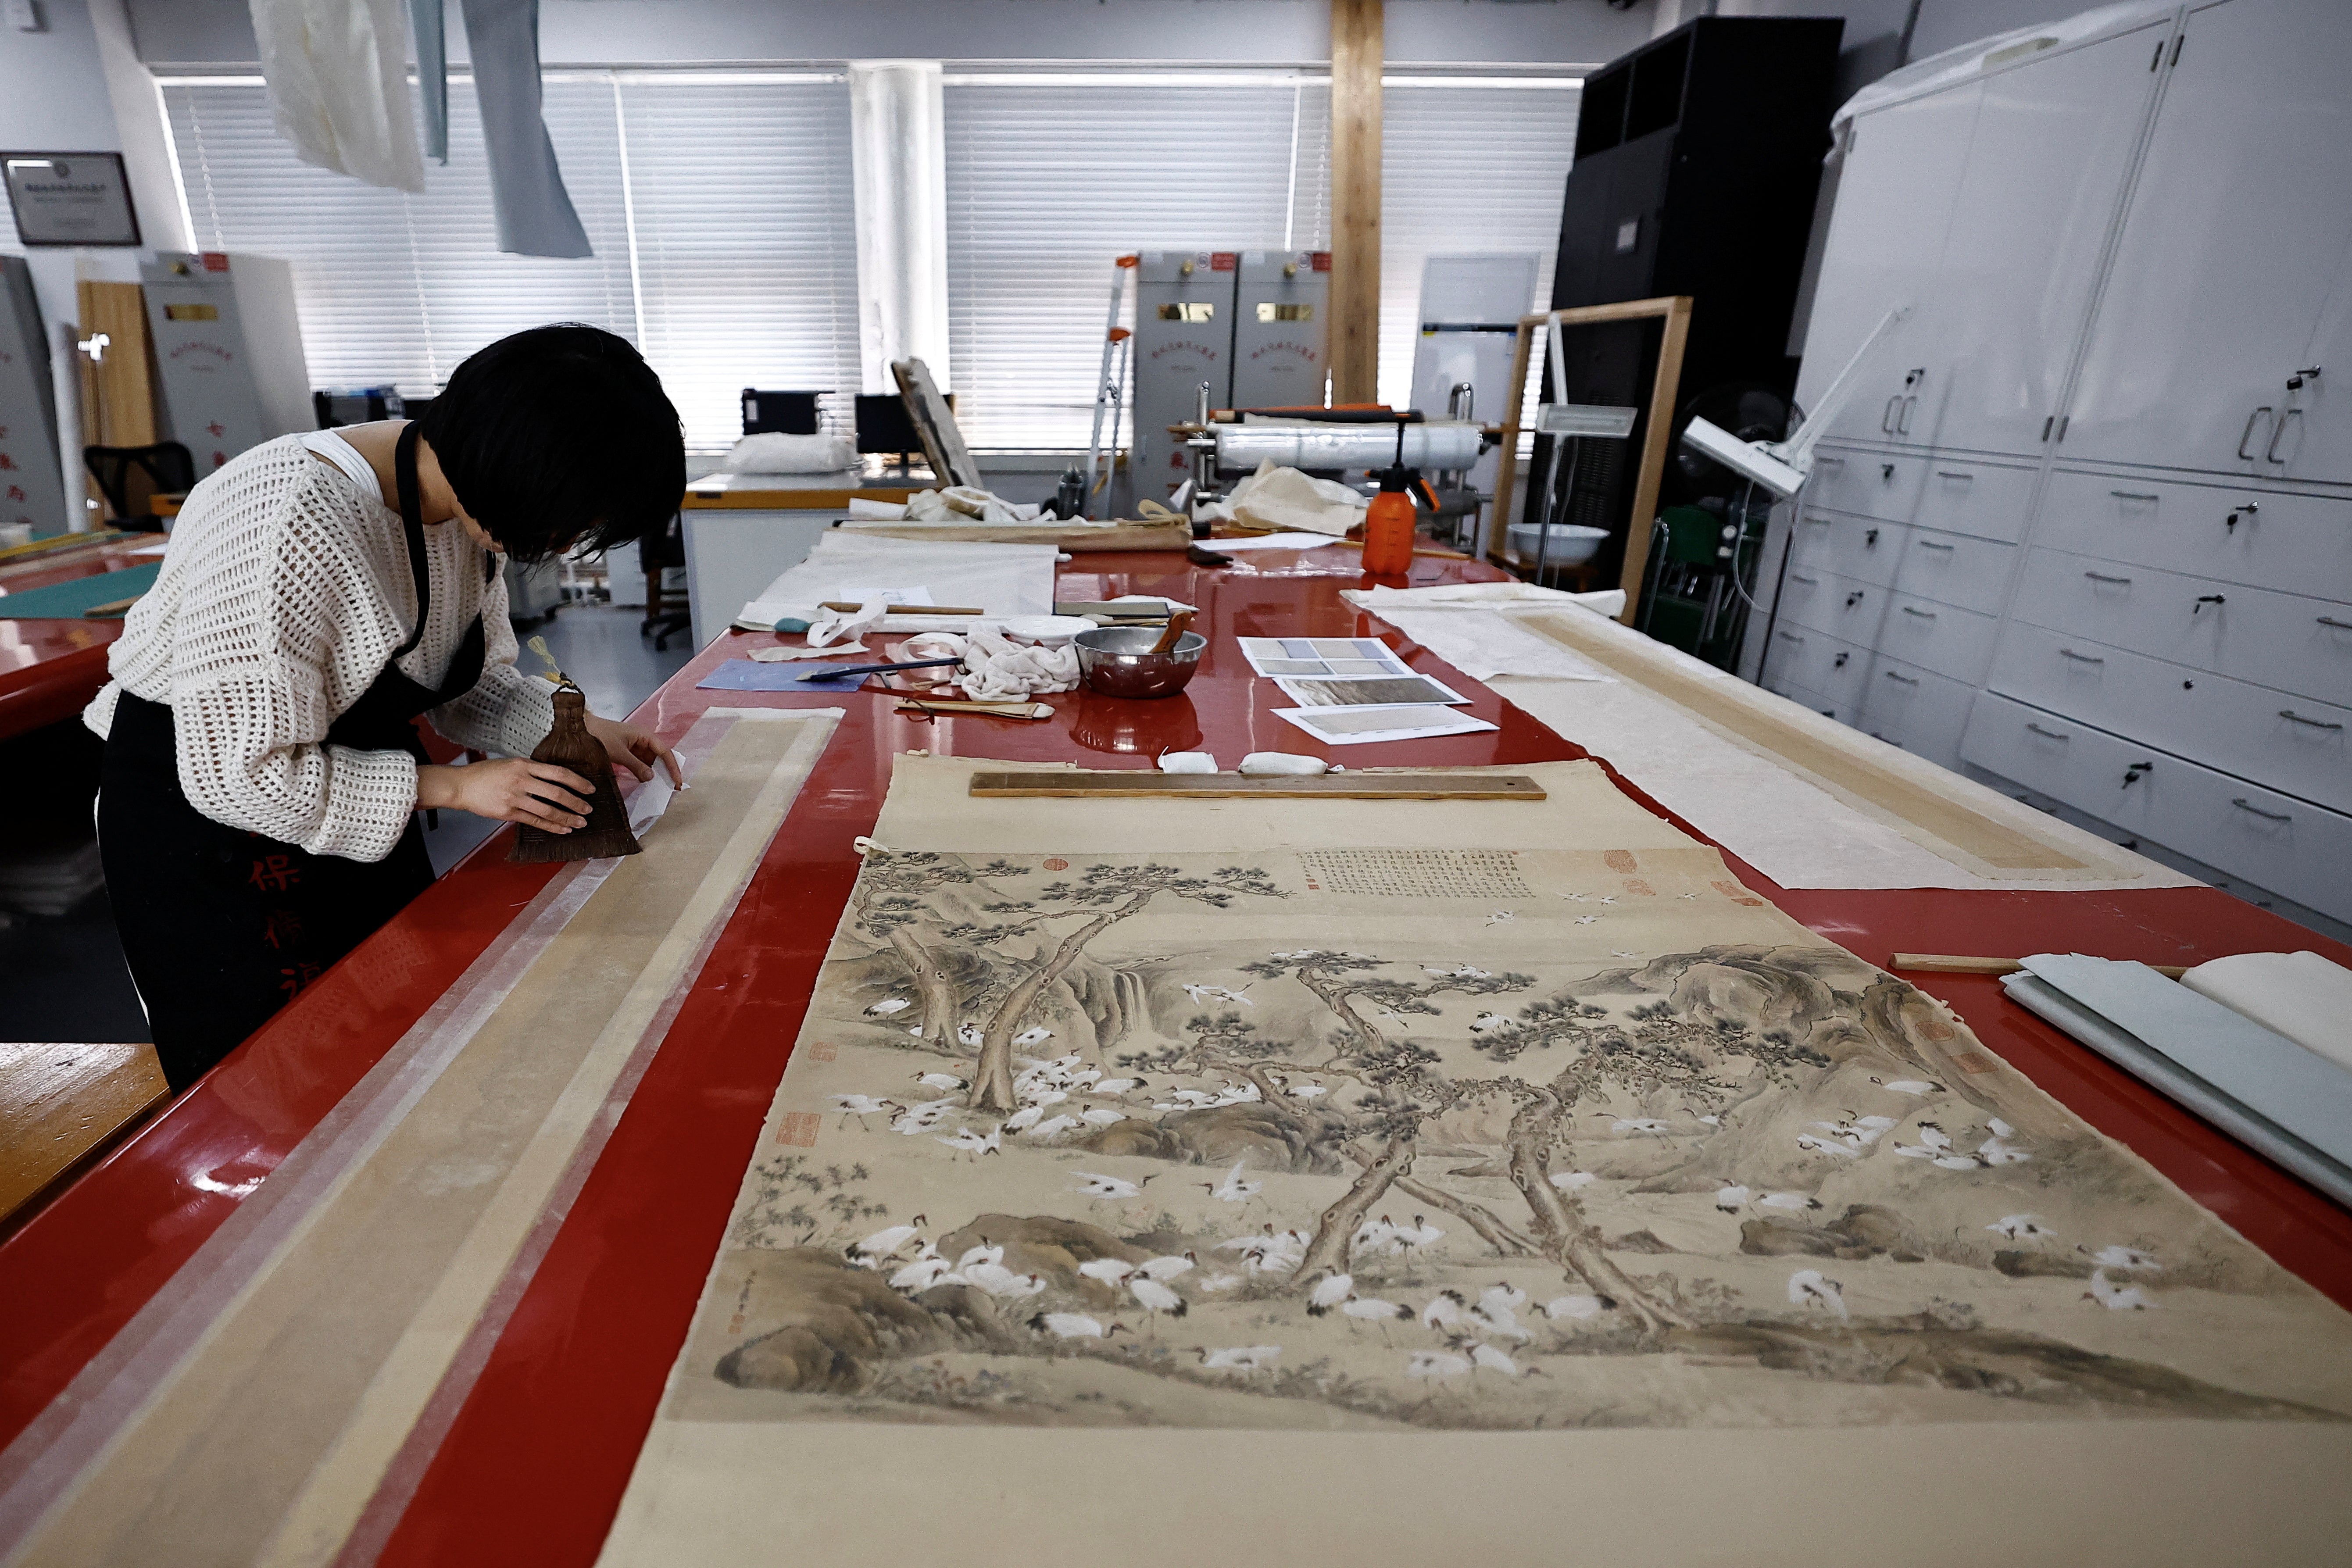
<point>1816,661</point>
<point>1955,569</point>
<point>1939,636</point>
<point>1985,500</point>
<point>1916,709</point>
<point>1859,547</point>
<point>2296,545</point>
<point>1867,484</point>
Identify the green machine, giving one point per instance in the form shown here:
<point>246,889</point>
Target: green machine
<point>1707,539</point>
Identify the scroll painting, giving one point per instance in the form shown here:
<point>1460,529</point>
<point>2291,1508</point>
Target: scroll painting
<point>1305,1147</point>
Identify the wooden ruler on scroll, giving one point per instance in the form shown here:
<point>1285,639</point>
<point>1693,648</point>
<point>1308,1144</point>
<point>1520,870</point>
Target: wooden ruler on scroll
<point>1323,786</point>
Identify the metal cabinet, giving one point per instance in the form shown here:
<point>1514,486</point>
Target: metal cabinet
<point>2237,234</point>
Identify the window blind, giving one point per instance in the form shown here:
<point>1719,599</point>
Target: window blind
<point>746,239</point>
<point>396,288</point>
<point>1049,180</point>
<point>1467,167</point>
<point>719,205</point>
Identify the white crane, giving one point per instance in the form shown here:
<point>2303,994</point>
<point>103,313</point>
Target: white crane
<point>1200,994</point>
<point>2122,1257</point>
<point>998,1281</point>
<point>1156,1299</point>
<point>1374,1236</point>
<point>1026,1118</point>
<point>1807,1288</point>
<point>1797,1201</point>
<point>1101,1116</point>
<point>968,1140</point>
<point>888,1007</point>
<point>1498,1310</point>
<point>943,1080</point>
<point>924,1273</point>
<point>1054,1126</point>
<point>1490,1023</point>
<point>861,1106</point>
<point>1217,1283</point>
<point>1485,1357</point>
<point>1576,1308</point>
<point>1731,1197</point>
<point>1814,1145</point>
<point>1306,1091</point>
<point>1912,1086</point>
<point>885,1244</point>
<point>1414,1238</point>
<point>1099,1187</point>
<point>971,1035</point>
<point>1436,1365</point>
<point>1039,1094</point>
<point>1997,1150</point>
<point>1111,1272</point>
<point>1373,1310</point>
<point>1232,1189</point>
<point>980,1253</point>
<point>1446,1309</point>
<point>1501,917</point>
<point>1114,1086</point>
<point>1329,1292</point>
<point>2116,1298</point>
<point>1239,1358</point>
<point>1169,1266</point>
<point>1075,1326</point>
<point>1036,1037</point>
<point>2019,1226</point>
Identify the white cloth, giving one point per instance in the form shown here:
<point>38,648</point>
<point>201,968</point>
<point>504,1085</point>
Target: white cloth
<point>337,72</point>
<point>1286,498</point>
<point>1187,762</point>
<point>287,586</point>
<point>2299,995</point>
<point>1003,580</point>
<point>1285,763</point>
<point>995,667</point>
<point>534,211</point>
<point>781,452</point>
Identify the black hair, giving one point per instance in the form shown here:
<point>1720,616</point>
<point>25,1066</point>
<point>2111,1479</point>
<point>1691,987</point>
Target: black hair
<point>559,437</point>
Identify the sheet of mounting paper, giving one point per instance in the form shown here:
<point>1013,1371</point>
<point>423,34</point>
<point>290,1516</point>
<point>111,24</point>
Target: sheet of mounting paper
<point>1802,798</point>
<point>1362,726</point>
<point>2260,1087</point>
<point>1271,541</point>
<point>1321,656</point>
<point>1002,579</point>
<point>1365,690</point>
<point>2299,995</point>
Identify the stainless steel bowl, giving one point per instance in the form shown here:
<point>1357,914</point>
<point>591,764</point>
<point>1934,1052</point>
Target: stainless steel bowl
<point>1117,661</point>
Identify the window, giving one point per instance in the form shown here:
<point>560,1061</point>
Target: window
<point>1051,178</point>
<point>724,280</point>
<point>1467,164</point>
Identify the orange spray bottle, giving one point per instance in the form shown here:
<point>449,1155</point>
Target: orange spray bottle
<point>1389,524</point>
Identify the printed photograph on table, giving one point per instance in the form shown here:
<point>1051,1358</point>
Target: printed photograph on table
<point>1367,691</point>
<point>1365,726</point>
<point>1512,1139</point>
<point>1321,656</point>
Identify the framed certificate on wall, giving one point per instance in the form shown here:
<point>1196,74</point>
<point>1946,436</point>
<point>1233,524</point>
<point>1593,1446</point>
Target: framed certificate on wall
<point>70,198</point>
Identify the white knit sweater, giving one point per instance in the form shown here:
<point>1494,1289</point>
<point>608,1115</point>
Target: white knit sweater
<point>285,586</point>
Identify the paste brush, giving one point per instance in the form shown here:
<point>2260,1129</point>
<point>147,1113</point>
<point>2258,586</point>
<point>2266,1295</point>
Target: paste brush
<point>569,745</point>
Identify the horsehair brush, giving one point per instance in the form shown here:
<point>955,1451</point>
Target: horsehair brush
<point>569,745</point>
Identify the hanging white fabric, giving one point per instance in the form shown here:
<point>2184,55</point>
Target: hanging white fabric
<point>338,80</point>
<point>534,211</point>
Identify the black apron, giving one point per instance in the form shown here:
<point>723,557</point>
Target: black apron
<point>223,926</point>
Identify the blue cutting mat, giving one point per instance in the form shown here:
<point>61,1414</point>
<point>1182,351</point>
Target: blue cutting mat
<point>66,601</point>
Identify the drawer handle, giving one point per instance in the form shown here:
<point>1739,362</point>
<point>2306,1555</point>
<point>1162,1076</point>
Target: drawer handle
<point>2046,734</point>
<point>2133,495</point>
<point>2289,714</point>
<point>1824,459</point>
<point>2270,454</point>
<point>2332,620</point>
<point>1808,582</point>
<point>2247,435</point>
<point>1931,545</point>
<point>1788,636</point>
<point>1818,521</point>
<point>1922,614</point>
<point>2103,577</point>
<point>2079,657</point>
<point>1953,474</point>
<point>1905,680</point>
<point>2244,804</point>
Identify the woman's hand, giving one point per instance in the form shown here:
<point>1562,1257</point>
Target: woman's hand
<point>514,790</point>
<point>635,750</point>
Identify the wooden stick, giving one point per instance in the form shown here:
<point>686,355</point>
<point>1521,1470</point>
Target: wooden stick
<point>1325,786</point>
<point>111,610</point>
<point>905,609</point>
<point>978,709</point>
<point>1359,544</point>
<point>1955,963</point>
<point>1177,625</point>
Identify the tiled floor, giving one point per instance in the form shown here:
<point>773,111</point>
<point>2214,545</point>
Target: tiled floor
<point>63,978</point>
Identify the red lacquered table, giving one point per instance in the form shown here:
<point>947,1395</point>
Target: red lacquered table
<point>50,668</point>
<point>534,1464</point>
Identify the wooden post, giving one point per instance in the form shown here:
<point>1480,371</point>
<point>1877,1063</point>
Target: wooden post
<point>1354,337</point>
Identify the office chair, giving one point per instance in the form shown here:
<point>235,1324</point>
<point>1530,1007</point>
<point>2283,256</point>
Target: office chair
<point>657,554</point>
<point>131,477</point>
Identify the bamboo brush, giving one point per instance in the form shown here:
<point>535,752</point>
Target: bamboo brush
<point>569,745</point>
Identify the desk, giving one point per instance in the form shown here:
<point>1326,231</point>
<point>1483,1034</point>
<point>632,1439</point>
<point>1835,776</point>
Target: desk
<point>535,1458</point>
<point>49,669</point>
